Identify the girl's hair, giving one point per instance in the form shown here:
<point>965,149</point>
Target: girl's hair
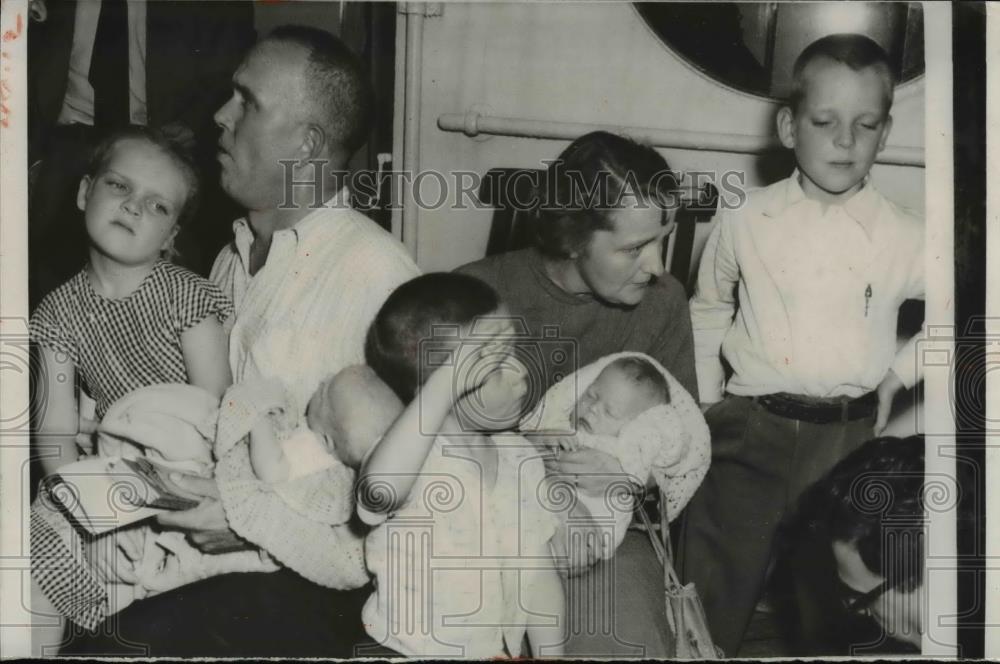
<point>172,144</point>
<point>407,329</point>
<point>586,183</point>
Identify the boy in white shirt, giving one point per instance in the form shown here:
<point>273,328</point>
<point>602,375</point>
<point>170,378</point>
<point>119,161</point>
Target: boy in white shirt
<point>819,264</point>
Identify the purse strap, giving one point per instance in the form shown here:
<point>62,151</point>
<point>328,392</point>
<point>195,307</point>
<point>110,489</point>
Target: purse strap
<point>661,543</point>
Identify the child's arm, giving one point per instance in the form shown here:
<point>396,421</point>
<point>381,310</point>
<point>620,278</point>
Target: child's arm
<point>398,457</point>
<point>401,453</point>
<point>266,456</point>
<point>55,400</point>
<point>205,347</point>
<point>712,308</point>
<point>548,603</point>
<point>906,370</point>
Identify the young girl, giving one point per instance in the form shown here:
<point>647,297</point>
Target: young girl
<point>460,549</point>
<point>129,318</point>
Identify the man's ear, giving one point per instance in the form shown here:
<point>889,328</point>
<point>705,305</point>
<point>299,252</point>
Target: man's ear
<point>82,193</point>
<point>786,126</point>
<point>314,143</point>
<point>885,133</point>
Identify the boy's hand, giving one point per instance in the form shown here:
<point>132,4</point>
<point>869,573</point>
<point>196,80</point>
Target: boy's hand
<point>886,392</point>
<point>485,344</point>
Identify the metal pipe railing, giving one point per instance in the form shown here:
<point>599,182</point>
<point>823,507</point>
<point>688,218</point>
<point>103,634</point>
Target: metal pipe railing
<point>473,123</point>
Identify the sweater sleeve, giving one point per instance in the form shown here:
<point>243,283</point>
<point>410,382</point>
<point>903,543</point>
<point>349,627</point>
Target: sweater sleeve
<point>673,345</point>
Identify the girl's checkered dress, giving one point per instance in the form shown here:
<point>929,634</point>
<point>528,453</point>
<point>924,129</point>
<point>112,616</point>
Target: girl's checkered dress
<point>118,346</point>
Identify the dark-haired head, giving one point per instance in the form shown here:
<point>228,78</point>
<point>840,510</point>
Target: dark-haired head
<point>595,175</point>
<point>409,317</point>
<point>171,144</point>
<point>337,85</point>
<point>852,50</point>
<point>876,489</point>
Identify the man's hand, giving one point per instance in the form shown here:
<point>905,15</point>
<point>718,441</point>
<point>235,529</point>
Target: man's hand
<point>112,560</point>
<point>886,392</point>
<point>205,524</point>
<point>589,469</point>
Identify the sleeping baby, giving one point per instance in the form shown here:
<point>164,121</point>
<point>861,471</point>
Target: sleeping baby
<point>310,462</point>
<point>631,408</point>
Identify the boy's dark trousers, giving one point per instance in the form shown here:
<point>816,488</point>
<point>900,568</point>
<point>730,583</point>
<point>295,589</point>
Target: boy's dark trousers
<point>761,464</point>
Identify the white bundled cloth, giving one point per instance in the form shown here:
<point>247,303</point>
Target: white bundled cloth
<point>172,425</point>
<point>670,443</point>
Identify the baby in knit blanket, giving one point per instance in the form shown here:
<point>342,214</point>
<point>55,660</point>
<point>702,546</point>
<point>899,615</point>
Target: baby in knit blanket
<point>630,407</point>
<point>310,461</point>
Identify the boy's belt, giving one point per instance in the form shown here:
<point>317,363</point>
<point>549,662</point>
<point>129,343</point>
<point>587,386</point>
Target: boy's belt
<point>819,411</point>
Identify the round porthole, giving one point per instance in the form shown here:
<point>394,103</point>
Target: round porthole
<point>751,47</point>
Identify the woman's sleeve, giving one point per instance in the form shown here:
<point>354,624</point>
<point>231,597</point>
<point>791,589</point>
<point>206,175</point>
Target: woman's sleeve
<point>674,344</point>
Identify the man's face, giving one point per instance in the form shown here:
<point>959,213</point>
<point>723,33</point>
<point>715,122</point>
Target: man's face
<point>839,128</point>
<point>262,124</point>
<point>897,612</point>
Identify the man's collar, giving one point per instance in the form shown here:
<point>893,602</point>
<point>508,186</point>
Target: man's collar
<point>862,206</point>
<point>339,201</point>
<point>243,234</point>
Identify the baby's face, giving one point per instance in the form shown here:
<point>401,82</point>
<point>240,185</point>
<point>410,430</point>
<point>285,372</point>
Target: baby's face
<point>610,402</point>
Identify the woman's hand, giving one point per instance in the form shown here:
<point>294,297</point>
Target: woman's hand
<point>592,471</point>
<point>578,542</point>
<point>205,524</point>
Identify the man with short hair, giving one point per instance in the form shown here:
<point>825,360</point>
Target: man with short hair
<point>306,282</point>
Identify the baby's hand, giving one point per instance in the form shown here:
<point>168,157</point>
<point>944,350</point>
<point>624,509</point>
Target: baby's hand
<point>567,444</point>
